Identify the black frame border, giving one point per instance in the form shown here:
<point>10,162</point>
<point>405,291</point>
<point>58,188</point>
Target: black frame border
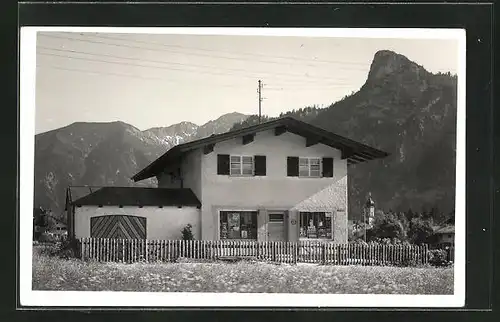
<point>476,18</point>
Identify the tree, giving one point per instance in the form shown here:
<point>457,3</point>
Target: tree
<point>450,218</point>
<point>420,230</point>
<point>387,226</point>
<point>40,217</point>
<point>404,221</point>
<point>40,221</point>
<point>410,214</point>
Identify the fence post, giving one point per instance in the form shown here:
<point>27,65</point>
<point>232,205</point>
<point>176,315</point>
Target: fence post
<point>323,253</point>
<point>82,247</point>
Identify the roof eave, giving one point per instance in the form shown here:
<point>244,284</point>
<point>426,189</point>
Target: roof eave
<point>362,151</point>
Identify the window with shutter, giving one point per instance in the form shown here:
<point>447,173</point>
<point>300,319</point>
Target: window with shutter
<point>303,167</point>
<point>247,165</point>
<point>235,165</point>
<point>314,167</point>
<point>292,166</point>
<point>241,165</point>
<point>223,164</point>
<point>260,165</point>
<point>310,167</point>
<point>327,167</point>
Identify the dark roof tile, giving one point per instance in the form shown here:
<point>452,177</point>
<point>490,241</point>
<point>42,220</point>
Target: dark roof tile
<point>139,196</point>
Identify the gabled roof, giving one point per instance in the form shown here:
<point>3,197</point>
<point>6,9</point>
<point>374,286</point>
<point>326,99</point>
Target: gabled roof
<point>444,229</point>
<point>139,196</point>
<point>353,151</point>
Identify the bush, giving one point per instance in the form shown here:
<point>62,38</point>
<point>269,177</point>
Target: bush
<point>420,230</point>
<point>62,249</point>
<point>67,248</point>
<point>187,234</point>
<point>438,257</point>
<point>47,238</point>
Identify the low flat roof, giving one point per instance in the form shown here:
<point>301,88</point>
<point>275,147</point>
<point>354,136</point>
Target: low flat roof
<point>139,196</point>
<point>354,152</point>
<point>444,229</point>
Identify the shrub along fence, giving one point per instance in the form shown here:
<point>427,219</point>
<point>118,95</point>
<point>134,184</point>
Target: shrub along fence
<point>130,251</point>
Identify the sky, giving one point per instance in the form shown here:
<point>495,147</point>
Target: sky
<point>156,80</point>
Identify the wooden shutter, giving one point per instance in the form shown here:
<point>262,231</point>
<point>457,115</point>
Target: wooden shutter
<point>223,164</point>
<point>292,166</point>
<point>260,165</point>
<point>328,167</point>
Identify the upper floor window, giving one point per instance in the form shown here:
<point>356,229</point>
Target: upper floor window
<point>310,167</point>
<point>241,165</point>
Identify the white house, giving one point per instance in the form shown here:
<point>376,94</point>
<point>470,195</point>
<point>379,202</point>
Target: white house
<point>444,236</point>
<point>279,180</point>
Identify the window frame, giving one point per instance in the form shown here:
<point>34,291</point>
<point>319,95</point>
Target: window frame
<point>241,213</point>
<point>310,215</point>
<point>241,157</point>
<point>309,175</point>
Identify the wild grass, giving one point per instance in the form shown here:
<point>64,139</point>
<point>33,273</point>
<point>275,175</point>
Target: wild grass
<point>52,273</point>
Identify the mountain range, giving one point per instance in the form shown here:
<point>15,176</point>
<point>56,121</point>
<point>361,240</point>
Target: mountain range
<point>98,154</point>
<point>401,108</point>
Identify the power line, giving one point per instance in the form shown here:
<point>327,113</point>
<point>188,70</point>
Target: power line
<point>176,63</point>
<point>86,71</point>
<point>177,52</point>
<point>231,52</point>
<point>161,67</point>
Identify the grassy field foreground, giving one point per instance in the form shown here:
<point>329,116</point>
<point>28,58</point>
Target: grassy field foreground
<point>51,273</point>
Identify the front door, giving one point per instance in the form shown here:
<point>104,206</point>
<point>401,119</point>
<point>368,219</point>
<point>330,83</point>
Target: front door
<point>276,226</point>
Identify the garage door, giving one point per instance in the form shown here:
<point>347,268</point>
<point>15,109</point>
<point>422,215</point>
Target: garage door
<point>118,226</point>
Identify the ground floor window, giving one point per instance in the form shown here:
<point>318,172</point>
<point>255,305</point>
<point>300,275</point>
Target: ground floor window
<point>316,225</point>
<point>238,225</point>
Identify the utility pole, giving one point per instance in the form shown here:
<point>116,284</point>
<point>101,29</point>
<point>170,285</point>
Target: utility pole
<point>259,90</point>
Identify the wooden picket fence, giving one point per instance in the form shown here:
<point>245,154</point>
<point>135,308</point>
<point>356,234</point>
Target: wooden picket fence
<point>130,251</point>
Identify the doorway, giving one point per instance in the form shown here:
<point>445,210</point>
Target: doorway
<point>276,226</point>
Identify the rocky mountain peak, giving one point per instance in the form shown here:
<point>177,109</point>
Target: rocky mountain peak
<point>389,65</point>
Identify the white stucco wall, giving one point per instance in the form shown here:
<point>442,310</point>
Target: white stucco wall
<point>191,172</point>
<point>161,223</point>
<point>275,190</point>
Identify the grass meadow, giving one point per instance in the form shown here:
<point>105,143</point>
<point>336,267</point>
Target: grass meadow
<point>53,273</point>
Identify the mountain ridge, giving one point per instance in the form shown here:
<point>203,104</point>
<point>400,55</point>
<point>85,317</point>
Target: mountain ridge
<point>106,153</point>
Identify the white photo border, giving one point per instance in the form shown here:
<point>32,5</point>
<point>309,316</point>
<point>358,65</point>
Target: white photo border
<point>29,297</point>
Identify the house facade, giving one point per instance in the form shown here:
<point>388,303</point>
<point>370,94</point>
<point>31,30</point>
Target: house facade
<point>282,180</point>
<point>444,236</point>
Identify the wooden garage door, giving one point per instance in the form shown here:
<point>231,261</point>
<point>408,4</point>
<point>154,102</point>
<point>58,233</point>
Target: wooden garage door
<point>118,226</point>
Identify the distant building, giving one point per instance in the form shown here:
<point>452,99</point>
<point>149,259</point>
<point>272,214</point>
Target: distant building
<point>59,229</point>
<point>444,236</point>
